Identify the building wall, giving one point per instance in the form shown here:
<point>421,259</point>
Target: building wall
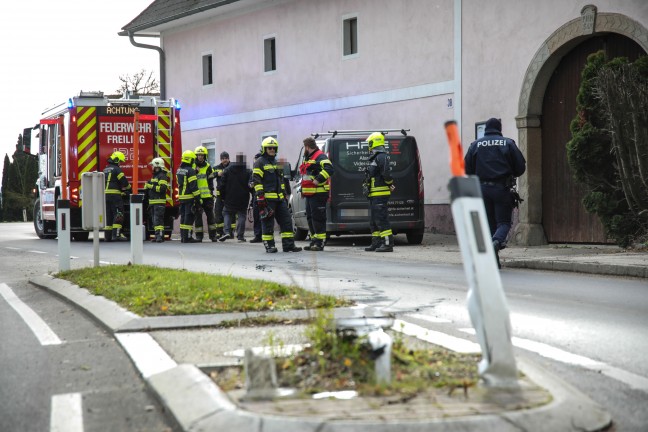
<point>407,73</point>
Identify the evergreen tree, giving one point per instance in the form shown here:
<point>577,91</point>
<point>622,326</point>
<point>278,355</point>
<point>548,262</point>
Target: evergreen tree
<point>5,176</point>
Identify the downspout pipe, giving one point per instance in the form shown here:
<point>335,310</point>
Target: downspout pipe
<point>162,62</point>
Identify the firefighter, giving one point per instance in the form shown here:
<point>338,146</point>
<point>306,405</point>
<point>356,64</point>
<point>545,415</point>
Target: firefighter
<point>269,188</point>
<point>156,191</point>
<point>188,194</point>
<point>116,186</point>
<point>218,207</point>
<point>316,172</point>
<point>379,185</point>
<point>205,180</point>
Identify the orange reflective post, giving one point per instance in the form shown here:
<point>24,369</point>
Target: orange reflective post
<point>64,179</point>
<point>136,151</point>
<point>457,166</point>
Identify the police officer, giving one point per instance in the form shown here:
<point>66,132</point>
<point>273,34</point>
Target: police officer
<point>269,188</point>
<point>188,195</point>
<point>218,207</point>
<point>156,190</point>
<point>116,186</point>
<point>316,172</point>
<point>496,160</point>
<point>205,181</point>
<point>379,186</point>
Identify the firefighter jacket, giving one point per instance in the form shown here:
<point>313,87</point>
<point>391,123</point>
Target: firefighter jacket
<point>218,169</point>
<point>205,179</point>
<point>318,167</point>
<point>157,187</point>
<point>268,180</point>
<point>379,175</point>
<point>116,181</point>
<point>187,183</point>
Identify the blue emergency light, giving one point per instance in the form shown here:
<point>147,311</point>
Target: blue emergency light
<point>177,105</point>
<point>70,103</point>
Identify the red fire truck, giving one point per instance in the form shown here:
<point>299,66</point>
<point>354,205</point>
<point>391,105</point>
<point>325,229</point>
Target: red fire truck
<point>94,126</point>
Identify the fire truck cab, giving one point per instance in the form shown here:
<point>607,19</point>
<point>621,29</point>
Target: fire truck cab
<point>93,127</point>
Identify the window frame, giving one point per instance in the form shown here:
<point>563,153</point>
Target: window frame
<point>210,71</point>
<point>272,38</point>
<point>349,34</point>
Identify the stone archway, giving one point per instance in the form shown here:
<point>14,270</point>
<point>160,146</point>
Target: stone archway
<point>529,230</point>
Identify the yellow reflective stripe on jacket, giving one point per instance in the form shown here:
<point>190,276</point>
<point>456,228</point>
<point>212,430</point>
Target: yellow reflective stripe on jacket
<point>157,201</point>
<point>258,171</point>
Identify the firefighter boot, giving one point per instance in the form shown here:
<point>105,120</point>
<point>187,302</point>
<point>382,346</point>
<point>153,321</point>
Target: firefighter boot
<point>288,245</point>
<point>108,236</point>
<point>213,236</point>
<point>116,235</point>
<point>387,244</point>
<point>270,246</point>
<point>375,242</point>
<point>159,236</point>
<point>315,246</point>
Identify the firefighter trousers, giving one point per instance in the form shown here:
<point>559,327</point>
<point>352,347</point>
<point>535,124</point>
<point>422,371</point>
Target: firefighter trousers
<point>316,216</point>
<point>157,216</point>
<point>379,217</point>
<point>219,218</point>
<point>208,209</point>
<point>114,205</point>
<point>282,215</point>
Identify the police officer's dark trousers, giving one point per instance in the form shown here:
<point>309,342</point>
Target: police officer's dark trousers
<point>282,215</point>
<point>316,216</point>
<point>499,208</point>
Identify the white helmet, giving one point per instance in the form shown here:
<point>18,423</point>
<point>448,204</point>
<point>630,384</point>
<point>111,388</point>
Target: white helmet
<point>158,162</point>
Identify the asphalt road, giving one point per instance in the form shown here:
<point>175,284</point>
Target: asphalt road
<point>589,330</point>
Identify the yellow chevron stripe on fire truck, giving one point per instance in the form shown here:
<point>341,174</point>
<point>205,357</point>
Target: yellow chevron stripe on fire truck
<point>86,139</point>
<point>164,144</point>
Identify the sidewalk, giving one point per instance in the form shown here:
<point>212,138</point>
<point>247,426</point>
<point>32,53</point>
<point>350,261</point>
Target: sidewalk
<point>174,355</point>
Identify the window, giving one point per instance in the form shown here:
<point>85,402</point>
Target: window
<point>207,70</point>
<point>210,145</point>
<point>350,29</point>
<point>269,55</point>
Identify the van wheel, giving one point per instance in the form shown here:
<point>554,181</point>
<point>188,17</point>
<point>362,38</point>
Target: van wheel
<point>40,224</point>
<point>414,237</point>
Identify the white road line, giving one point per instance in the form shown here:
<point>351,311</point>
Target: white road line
<point>452,343</point>
<point>66,415</point>
<point>635,381</point>
<point>148,356</point>
<point>12,248</point>
<point>42,331</point>
<point>429,318</point>
<point>37,252</point>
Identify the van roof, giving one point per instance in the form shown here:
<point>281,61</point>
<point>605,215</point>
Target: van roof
<point>334,133</point>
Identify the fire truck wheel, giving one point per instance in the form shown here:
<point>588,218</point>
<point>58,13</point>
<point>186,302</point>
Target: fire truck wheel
<point>40,224</point>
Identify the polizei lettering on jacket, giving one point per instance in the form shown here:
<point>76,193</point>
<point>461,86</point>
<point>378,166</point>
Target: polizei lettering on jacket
<point>492,142</point>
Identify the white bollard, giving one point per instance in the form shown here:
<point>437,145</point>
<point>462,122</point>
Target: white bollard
<point>381,343</point>
<point>63,227</point>
<point>487,304</point>
<point>137,228</point>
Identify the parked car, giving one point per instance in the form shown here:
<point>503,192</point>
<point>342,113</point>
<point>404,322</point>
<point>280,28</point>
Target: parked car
<point>347,210</point>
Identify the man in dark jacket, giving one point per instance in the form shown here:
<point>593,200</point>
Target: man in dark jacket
<point>497,161</point>
<point>235,192</point>
<point>116,186</point>
<point>270,191</point>
<point>316,172</point>
<point>218,205</point>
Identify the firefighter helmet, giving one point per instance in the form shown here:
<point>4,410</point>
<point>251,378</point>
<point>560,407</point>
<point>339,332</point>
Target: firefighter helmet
<point>200,150</point>
<point>158,162</point>
<point>188,156</point>
<point>376,139</point>
<point>267,143</point>
<point>118,157</point>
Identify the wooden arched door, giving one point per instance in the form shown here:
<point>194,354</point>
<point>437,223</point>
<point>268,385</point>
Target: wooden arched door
<point>564,218</point>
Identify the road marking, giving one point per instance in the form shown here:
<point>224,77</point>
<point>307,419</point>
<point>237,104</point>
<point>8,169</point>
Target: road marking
<point>12,248</point>
<point>437,338</point>
<point>146,353</point>
<point>37,252</point>
<point>43,332</point>
<point>635,381</point>
<point>66,415</point>
<point>429,318</point>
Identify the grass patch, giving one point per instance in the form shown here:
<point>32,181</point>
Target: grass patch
<point>155,291</point>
